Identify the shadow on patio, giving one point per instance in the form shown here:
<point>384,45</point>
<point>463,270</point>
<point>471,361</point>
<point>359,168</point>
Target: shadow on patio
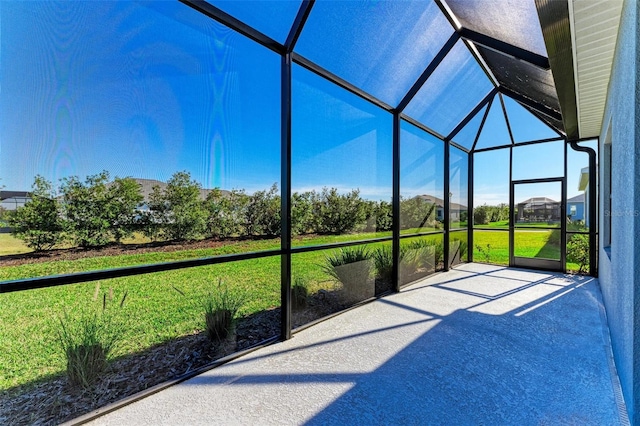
<point>478,345</point>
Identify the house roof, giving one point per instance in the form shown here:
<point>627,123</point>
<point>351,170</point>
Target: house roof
<point>580,37</point>
<point>537,201</point>
<point>14,194</point>
<point>577,199</point>
<point>146,188</point>
<point>439,202</point>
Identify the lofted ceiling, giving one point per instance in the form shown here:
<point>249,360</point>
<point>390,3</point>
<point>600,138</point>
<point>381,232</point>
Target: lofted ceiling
<point>569,93</point>
<point>553,57</point>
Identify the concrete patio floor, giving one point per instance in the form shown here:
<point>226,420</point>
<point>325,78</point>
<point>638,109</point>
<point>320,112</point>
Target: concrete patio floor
<point>480,344</point>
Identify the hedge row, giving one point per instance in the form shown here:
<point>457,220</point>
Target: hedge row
<point>97,211</point>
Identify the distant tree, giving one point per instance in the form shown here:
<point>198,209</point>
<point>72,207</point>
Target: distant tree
<point>86,209</point>
<point>178,210</point>
<point>338,213</point>
<point>485,214</point>
<point>4,217</point>
<point>153,218</point>
<point>379,216</point>
<point>503,212</point>
<point>369,224</point>
<point>384,216</point>
<point>263,213</point>
<point>225,213</point>
<point>125,198</point>
<point>302,218</point>
<point>481,215</point>
<point>38,223</point>
<point>416,212</point>
<point>98,211</point>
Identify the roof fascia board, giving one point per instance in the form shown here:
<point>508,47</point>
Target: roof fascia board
<point>556,30</point>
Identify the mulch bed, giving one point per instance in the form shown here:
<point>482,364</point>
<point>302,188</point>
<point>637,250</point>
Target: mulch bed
<point>109,250</point>
<point>54,400</point>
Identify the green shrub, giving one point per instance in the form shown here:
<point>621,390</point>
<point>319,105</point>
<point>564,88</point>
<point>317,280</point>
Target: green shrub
<point>484,214</point>
<point>457,251</point>
<point>85,206</point>
<point>87,341</point>
<point>409,262</point>
<point>225,213</point>
<point>351,267</point>
<point>384,216</point>
<point>263,213</point>
<point>463,250</point>
<point>481,215</point>
<point>125,197</point>
<point>220,311</point>
<point>578,251</point>
<point>383,263</point>
<point>429,253</point>
<point>299,294</point>
<point>485,252</point>
<point>38,222</point>
<point>417,212</point>
<point>338,213</point>
<point>178,210</point>
<point>302,219</point>
<point>379,216</point>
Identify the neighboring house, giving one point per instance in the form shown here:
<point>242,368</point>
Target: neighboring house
<point>575,207</point>
<point>455,209</point>
<point>146,188</point>
<point>539,209</point>
<point>12,200</point>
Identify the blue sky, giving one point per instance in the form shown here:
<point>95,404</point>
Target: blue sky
<point>491,171</point>
<point>144,98</point>
<point>162,89</point>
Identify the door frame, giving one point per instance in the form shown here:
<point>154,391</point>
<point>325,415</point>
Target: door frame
<point>535,263</point>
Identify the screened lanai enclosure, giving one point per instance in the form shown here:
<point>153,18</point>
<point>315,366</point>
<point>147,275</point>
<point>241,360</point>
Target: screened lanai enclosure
<point>299,157</point>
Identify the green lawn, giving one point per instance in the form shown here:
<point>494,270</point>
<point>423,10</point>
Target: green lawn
<point>164,305</point>
<point>11,245</point>
<point>154,311</point>
<point>105,262</point>
<point>504,224</point>
<point>498,250</point>
<point>158,307</point>
<point>529,243</point>
<point>543,244</point>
